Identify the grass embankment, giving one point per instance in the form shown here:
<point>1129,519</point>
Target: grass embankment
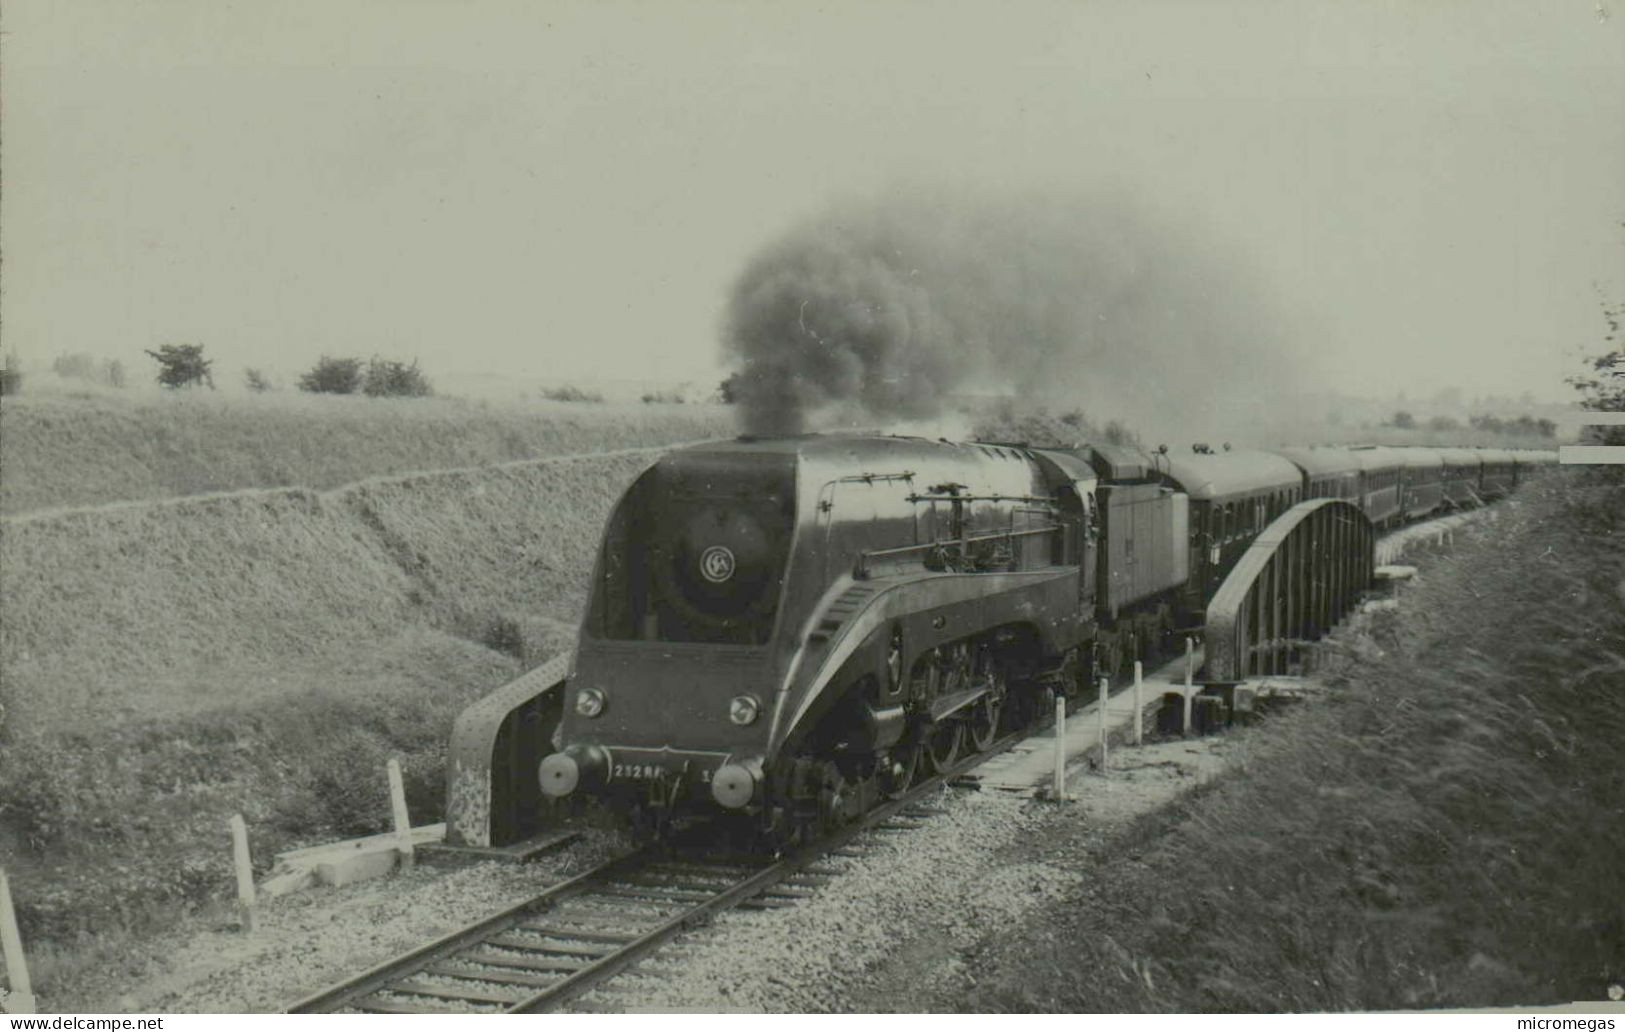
<point>92,449</point>
<point>167,665</point>
<point>1446,830</point>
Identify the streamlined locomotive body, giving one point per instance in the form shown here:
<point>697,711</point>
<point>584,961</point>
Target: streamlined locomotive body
<point>792,627</point>
<point>773,621</point>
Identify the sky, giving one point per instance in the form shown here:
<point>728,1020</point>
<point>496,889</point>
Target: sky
<point>1428,195</point>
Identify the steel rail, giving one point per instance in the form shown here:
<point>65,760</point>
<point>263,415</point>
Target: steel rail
<point>415,960</point>
<point>386,976</point>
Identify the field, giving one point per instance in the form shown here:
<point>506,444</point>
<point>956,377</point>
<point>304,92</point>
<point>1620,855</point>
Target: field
<point>170,657</point>
<point>1444,831</point>
<point>95,448</point>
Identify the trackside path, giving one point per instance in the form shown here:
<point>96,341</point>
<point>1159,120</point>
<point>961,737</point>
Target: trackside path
<point>153,504</point>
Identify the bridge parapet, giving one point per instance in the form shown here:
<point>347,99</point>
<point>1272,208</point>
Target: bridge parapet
<point>1299,578</point>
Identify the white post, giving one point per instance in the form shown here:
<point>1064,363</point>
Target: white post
<point>1105,690</point>
<point>245,870</point>
<point>403,824</point>
<point>1139,705</point>
<point>1190,674</point>
<point>21,998</point>
<point>1060,748</point>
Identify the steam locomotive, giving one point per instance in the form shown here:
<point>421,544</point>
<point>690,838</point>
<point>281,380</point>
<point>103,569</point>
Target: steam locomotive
<point>792,628</point>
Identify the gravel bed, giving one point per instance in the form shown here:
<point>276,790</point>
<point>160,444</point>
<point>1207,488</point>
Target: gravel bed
<point>307,941</point>
<point>899,916</point>
<point>906,913</point>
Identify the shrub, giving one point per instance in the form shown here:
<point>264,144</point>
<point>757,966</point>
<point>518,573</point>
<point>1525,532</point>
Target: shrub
<point>182,365</point>
<point>256,381</point>
<point>77,366</point>
<point>1602,386</point>
<point>663,398</point>
<point>389,379</point>
<point>332,376</point>
<point>569,393</point>
<point>80,366</point>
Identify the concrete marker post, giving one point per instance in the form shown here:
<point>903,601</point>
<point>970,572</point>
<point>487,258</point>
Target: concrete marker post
<point>403,823</point>
<point>21,998</point>
<point>1139,705</point>
<point>1060,748</point>
<point>1190,674</point>
<point>245,870</point>
<point>1105,691</point>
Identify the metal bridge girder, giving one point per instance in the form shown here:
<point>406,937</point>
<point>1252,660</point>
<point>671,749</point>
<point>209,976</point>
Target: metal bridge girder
<point>1299,578</point>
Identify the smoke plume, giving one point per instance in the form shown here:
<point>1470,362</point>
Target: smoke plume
<point>889,309</point>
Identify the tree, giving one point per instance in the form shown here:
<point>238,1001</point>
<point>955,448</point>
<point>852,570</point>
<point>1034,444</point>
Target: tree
<point>387,379</point>
<point>332,376</point>
<point>1404,420</point>
<point>257,381</point>
<point>182,365</point>
<point>1602,386</point>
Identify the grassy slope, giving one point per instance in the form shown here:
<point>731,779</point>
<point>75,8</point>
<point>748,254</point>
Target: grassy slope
<point>98,448</point>
<point>104,609</point>
<point>1445,831</point>
<point>166,664</point>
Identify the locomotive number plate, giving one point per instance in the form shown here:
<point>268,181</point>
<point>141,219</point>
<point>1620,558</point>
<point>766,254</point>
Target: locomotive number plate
<point>639,771</point>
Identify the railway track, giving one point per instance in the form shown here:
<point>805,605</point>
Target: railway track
<point>578,934</point>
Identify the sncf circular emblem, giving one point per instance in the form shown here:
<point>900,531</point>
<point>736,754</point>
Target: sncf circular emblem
<point>717,564</point>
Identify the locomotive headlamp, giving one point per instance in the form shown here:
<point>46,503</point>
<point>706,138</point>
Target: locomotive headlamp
<point>589,702</point>
<point>744,709</point>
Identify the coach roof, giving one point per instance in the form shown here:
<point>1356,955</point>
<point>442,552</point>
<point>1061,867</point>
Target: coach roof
<point>1228,474</point>
<point>1321,461</point>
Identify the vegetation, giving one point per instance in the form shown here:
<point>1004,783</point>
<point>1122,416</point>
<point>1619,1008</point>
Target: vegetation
<point>182,365</point>
<point>388,379</point>
<point>1602,386</point>
<point>1442,831</point>
<point>256,381</point>
<point>166,665</point>
<point>332,376</point>
<point>1523,426</point>
<point>80,366</point>
<point>663,398</point>
<point>570,393</point>
<point>378,378</point>
<point>65,451</point>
